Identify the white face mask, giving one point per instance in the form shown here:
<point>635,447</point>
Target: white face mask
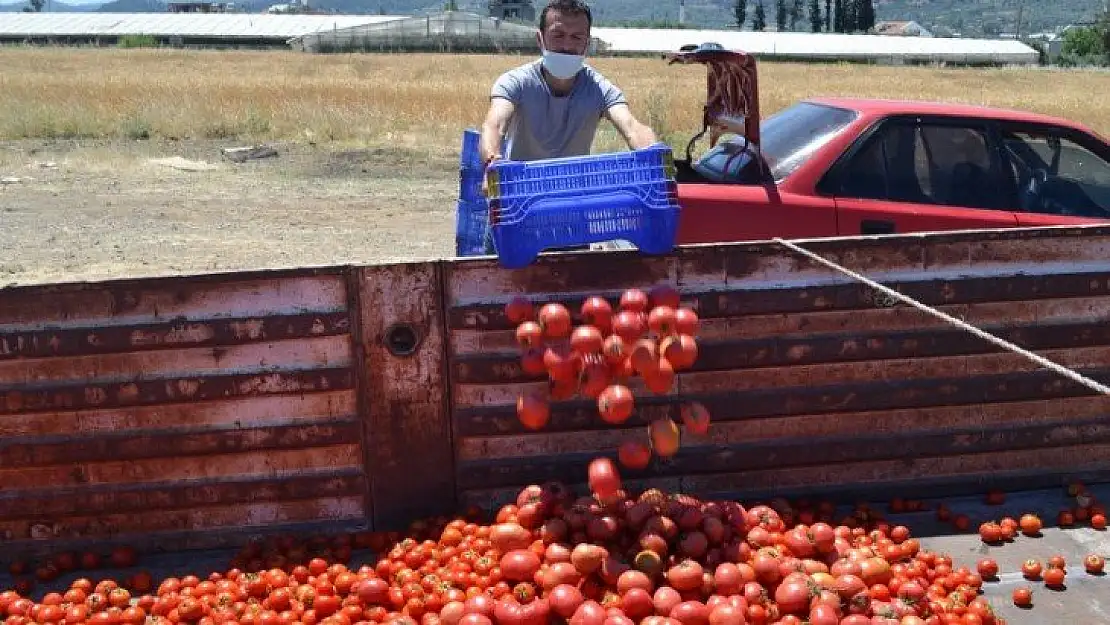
<point>562,65</point>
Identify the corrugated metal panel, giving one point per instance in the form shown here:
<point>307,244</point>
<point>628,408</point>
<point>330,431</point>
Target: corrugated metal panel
<point>175,411</point>
<point>814,381</point>
<point>241,25</point>
<point>818,45</point>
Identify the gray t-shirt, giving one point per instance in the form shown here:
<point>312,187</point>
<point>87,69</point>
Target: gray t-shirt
<point>549,126</point>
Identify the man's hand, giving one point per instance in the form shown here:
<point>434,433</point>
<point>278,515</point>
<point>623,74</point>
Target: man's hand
<point>493,128</point>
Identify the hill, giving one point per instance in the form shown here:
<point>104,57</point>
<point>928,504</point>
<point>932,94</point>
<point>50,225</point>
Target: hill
<point>55,7</point>
<point>991,17</point>
<point>965,17</point>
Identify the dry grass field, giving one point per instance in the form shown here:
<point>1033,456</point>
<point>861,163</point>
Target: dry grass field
<point>368,147</point>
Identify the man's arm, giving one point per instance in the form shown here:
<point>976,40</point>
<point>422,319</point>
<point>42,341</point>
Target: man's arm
<point>636,134</point>
<point>493,128</point>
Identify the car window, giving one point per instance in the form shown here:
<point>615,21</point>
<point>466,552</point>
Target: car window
<point>791,136</point>
<point>1057,175</point>
<point>787,140</point>
<point>926,163</point>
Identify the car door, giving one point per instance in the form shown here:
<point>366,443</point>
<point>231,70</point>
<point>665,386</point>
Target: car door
<point>918,174</point>
<point>1062,175</point>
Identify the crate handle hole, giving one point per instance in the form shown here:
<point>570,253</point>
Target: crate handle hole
<point>401,339</point>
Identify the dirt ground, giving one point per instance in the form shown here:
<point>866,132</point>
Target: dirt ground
<point>95,210</point>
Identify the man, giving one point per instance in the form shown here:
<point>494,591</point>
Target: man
<point>551,107</point>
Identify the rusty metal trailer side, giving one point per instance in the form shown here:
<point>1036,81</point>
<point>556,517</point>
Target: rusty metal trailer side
<point>189,412</point>
<point>814,383</point>
<point>183,412</point>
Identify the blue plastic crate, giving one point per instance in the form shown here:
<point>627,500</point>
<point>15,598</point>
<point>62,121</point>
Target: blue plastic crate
<point>471,220</point>
<point>471,155</point>
<point>472,209</point>
<point>575,201</point>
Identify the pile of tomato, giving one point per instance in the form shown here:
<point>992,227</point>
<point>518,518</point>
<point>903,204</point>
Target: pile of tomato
<point>644,337</point>
<point>605,558</point>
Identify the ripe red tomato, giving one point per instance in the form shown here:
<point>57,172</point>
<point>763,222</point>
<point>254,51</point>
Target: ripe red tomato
<point>988,568</point>
<point>604,479</point>
<point>533,410</point>
<point>1053,577</point>
<point>615,404</point>
<point>555,320</point>
<point>597,311</point>
<point>695,417</point>
<point>634,300</point>
<point>661,321</point>
<point>665,437</point>
<point>586,339</point>
<point>1023,596</point>
<point>686,321</point>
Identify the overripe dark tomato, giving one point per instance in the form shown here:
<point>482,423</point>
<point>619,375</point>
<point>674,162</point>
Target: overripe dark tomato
<point>518,310</point>
<point>634,455</point>
<point>663,295</point>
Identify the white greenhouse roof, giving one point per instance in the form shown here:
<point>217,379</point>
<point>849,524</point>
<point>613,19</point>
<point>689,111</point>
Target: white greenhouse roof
<point>820,45</point>
<point>230,25</point>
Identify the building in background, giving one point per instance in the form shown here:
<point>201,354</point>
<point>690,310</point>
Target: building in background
<point>513,10</point>
<point>902,29</point>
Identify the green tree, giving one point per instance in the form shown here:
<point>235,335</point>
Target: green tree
<point>780,15</point>
<point>1083,46</point>
<point>865,15</point>
<point>34,6</point>
<point>1104,27</point>
<point>828,15</point>
<point>740,11</point>
<point>815,16</point>
<point>759,21</point>
<point>839,25</point>
<point>796,11</point>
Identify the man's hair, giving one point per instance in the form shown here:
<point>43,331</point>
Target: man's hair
<point>566,7</point>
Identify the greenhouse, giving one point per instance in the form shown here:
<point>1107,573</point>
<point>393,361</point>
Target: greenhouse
<point>450,31</point>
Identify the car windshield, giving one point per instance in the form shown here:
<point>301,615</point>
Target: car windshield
<point>787,139</point>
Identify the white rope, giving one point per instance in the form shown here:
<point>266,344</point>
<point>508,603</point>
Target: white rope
<point>1044,362</point>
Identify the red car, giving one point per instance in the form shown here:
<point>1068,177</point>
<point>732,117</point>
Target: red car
<point>849,166</point>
